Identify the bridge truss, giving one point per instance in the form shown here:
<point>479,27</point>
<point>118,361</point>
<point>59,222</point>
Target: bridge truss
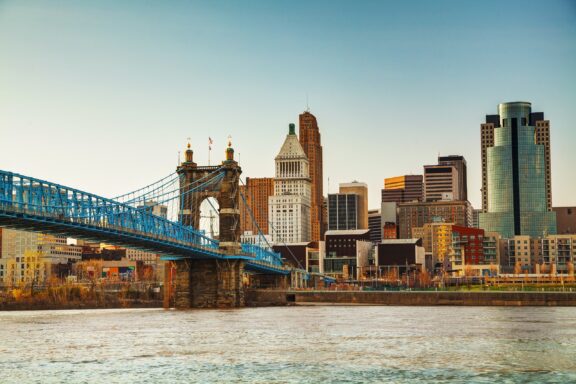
<point>148,218</point>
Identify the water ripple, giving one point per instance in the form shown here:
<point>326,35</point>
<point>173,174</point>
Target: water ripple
<point>291,345</point>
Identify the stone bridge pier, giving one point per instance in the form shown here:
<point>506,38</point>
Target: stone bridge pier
<point>208,284</point>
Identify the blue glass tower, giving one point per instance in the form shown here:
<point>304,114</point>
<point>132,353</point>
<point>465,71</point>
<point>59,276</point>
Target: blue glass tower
<point>516,173</point>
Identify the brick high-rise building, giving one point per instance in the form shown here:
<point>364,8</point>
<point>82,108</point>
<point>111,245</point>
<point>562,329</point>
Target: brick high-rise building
<point>417,214</point>
<point>310,141</point>
<point>256,192</point>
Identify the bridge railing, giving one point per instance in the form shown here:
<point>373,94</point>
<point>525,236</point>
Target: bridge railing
<point>262,254</point>
<point>31,196</point>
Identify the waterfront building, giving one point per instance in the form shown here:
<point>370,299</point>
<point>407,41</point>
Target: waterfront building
<point>417,214</point>
<point>289,208</point>
<point>30,256</point>
<point>459,250</point>
<point>256,193</point>
<point>308,255</point>
<point>468,245</point>
<point>347,253</point>
<point>441,183</point>
<point>565,220</point>
<point>458,162</point>
<point>516,182</point>
<point>361,190</point>
<point>311,143</point>
<point>550,254</point>
<point>436,240</point>
<point>342,211</point>
<point>147,258</point>
<point>402,189</point>
<point>375,225</point>
<point>56,250</point>
<point>401,254</point>
<point>520,254</point>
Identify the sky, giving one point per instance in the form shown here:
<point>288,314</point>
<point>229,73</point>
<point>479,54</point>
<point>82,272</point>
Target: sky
<point>102,95</point>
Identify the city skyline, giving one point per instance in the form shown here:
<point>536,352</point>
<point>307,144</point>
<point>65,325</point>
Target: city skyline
<point>97,87</point>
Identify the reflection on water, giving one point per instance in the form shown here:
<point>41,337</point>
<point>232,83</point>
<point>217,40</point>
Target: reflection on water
<point>291,345</point>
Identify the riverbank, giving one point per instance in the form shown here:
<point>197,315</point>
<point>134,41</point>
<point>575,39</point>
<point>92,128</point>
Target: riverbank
<point>408,298</point>
<point>79,297</point>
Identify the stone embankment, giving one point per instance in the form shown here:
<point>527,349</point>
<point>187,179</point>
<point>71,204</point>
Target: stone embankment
<point>421,298</point>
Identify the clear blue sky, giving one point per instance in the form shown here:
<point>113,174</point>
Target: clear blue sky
<point>101,95</point>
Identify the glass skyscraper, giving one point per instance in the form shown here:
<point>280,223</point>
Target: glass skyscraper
<point>516,191</point>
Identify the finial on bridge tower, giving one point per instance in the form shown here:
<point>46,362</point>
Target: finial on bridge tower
<point>229,150</point>
<point>189,152</point>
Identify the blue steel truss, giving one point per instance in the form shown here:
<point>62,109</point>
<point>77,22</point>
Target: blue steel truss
<point>38,205</point>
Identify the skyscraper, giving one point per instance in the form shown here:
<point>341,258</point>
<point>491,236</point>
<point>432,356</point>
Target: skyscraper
<point>402,189</point>
<point>361,190</point>
<point>310,141</point>
<point>516,188</point>
<point>458,162</point>
<point>441,183</point>
<point>342,211</point>
<point>375,225</point>
<point>289,208</point>
<point>256,192</point>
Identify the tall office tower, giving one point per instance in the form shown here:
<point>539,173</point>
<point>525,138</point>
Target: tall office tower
<point>343,211</point>
<point>441,183</point>
<point>310,141</point>
<point>361,190</point>
<point>516,190</point>
<point>458,162</point>
<point>289,208</point>
<point>256,192</point>
<point>403,189</point>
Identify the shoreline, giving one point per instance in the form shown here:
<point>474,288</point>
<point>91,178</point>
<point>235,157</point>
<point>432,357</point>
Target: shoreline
<point>259,298</point>
<point>269,298</point>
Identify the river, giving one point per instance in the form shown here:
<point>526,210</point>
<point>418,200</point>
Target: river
<point>313,344</point>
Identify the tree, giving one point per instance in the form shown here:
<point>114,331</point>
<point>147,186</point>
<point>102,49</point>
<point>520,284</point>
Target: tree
<point>570,267</point>
<point>35,271</point>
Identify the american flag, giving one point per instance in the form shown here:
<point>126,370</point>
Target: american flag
<point>209,143</point>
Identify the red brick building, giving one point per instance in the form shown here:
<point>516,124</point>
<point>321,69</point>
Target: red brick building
<point>310,140</point>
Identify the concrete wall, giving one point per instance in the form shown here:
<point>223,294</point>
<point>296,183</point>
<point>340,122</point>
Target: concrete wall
<point>438,298</point>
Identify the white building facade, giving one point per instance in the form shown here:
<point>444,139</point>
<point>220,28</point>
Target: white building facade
<point>289,208</point>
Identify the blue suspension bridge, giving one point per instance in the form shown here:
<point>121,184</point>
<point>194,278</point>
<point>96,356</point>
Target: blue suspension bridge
<point>163,217</point>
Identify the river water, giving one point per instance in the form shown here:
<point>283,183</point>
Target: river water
<point>331,344</point>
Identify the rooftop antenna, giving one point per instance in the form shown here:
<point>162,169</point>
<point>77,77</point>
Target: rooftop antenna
<point>307,106</point>
<point>178,161</point>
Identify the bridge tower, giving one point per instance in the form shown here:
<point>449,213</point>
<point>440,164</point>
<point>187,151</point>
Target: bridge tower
<point>211,283</point>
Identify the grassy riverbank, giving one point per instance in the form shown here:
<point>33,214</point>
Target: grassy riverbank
<point>74,296</point>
